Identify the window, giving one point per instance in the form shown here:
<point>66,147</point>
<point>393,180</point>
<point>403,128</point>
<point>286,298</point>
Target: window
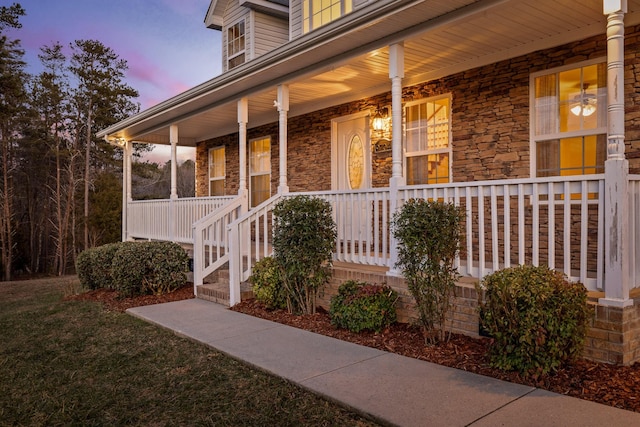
<point>428,141</point>
<point>259,170</point>
<point>317,13</point>
<point>235,45</point>
<point>569,113</point>
<point>216,171</point>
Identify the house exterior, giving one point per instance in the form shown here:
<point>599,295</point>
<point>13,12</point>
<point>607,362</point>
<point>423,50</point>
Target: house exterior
<point>526,114</point>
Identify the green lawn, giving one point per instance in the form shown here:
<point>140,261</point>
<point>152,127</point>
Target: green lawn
<point>72,363</point>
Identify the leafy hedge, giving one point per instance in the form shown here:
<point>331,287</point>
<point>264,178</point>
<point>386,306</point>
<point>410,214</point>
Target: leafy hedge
<point>361,306</point>
<point>304,236</point>
<point>428,234</point>
<point>94,266</point>
<point>537,318</point>
<point>134,268</point>
<point>266,279</point>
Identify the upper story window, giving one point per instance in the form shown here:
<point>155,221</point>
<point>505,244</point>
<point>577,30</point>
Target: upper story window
<point>236,45</point>
<point>569,120</point>
<point>259,170</point>
<point>316,13</point>
<point>216,171</point>
<point>428,141</point>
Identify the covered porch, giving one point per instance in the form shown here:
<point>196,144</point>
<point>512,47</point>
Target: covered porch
<point>585,226</point>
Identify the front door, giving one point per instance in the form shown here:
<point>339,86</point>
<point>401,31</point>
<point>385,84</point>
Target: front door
<point>352,155</point>
<point>351,171</point>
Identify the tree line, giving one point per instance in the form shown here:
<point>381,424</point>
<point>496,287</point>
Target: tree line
<point>60,189</point>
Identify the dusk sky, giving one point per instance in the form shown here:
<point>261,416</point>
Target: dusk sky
<point>165,42</point>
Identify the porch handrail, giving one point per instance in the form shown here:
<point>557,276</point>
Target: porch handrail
<point>211,240</point>
<point>555,221</point>
<point>577,207</point>
<point>243,251</point>
<point>170,219</point>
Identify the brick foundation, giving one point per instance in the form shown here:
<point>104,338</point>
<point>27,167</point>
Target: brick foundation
<point>613,335</point>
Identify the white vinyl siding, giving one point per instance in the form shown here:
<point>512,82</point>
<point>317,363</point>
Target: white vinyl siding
<point>269,33</point>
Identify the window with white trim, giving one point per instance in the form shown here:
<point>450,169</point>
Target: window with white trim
<point>236,45</point>
<point>316,13</point>
<point>259,170</point>
<point>569,120</point>
<point>428,141</point>
<point>216,171</point>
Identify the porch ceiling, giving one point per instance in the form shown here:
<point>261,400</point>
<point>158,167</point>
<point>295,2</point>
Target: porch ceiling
<point>348,60</point>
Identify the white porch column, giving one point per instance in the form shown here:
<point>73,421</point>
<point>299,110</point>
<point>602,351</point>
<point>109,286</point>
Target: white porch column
<point>396,74</point>
<point>283,109</point>
<point>616,167</point>
<point>126,187</point>
<point>173,139</point>
<point>243,119</point>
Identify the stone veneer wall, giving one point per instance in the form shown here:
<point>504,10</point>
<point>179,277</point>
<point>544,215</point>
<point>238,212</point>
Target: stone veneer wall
<point>613,335</point>
<point>490,116</point>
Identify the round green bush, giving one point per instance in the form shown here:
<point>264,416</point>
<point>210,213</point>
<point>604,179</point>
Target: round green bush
<point>94,266</point>
<point>537,318</point>
<point>149,268</point>
<point>267,283</point>
<point>361,306</point>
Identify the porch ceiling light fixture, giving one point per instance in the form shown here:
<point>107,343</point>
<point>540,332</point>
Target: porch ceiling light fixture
<point>379,119</point>
<point>120,142</point>
<point>585,103</point>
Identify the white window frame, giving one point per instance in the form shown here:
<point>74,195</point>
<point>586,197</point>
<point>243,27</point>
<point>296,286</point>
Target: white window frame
<point>535,139</point>
<point>253,173</point>
<point>307,13</point>
<point>243,51</point>
<point>448,150</point>
<point>222,177</point>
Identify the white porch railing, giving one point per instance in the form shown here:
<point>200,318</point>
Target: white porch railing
<point>551,221</point>
<point>546,221</point>
<point>211,238</point>
<point>170,220</point>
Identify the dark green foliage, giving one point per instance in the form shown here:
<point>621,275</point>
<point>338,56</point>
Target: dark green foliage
<point>94,266</point>
<point>304,237</point>
<point>428,235</point>
<point>106,208</point>
<point>134,267</point>
<point>361,306</point>
<point>149,268</point>
<point>537,318</point>
<point>267,283</point>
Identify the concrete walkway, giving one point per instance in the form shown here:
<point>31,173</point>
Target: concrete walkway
<point>393,389</point>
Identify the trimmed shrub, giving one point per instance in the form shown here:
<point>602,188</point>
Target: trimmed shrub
<point>94,266</point>
<point>537,318</point>
<point>149,268</point>
<point>267,283</point>
<point>304,236</point>
<point>361,306</point>
<point>428,234</point>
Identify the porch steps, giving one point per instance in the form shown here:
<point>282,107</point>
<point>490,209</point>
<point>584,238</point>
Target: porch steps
<point>216,288</point>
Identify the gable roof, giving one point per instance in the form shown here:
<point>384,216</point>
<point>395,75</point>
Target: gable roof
<point>347,59</point>
<point>214,17</point>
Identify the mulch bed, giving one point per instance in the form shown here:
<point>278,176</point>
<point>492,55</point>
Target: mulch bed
<point>617,386</point>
